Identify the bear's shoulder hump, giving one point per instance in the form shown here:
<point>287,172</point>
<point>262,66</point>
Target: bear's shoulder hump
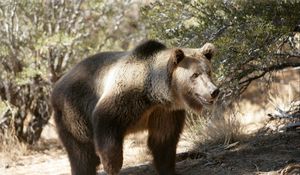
<point>147,49</point>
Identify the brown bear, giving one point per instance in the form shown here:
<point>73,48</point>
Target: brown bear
<point>111,94</point>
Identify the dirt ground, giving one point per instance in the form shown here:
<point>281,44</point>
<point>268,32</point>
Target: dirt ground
<point>262,154</point>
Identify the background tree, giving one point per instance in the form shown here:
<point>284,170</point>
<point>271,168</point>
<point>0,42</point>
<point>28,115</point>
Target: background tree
<point>40,40</point>
<point>253,37</point>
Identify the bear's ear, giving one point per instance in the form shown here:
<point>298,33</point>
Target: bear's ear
<point>208,50</point>
<point>177,56</point>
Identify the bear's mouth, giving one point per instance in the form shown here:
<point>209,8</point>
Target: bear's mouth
<point>203,100</point>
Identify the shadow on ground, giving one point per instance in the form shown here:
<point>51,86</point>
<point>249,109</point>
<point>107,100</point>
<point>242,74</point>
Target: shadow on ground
<point>271,154</point>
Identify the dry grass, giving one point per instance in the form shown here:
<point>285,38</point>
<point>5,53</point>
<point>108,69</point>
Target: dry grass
<point>135,149</point>
<point>11,149</point>
<point>223,129</point>
<point>284,102</point>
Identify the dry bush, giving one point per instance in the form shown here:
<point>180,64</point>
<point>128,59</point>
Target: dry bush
<point>284,108</point>
<point>10,147</point>
<point>215,129</point>
<point>225,129</point>
<point>285,103</point>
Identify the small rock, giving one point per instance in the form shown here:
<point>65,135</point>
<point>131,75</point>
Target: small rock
<point>20,164</point>
<point>223,165</point>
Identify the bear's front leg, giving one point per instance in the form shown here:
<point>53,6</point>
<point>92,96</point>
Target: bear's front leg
<point>111,155</point>
<point>164,131</point>
<point>108,138</point>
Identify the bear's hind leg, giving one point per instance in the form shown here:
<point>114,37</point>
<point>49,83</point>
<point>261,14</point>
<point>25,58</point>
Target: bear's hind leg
<point>164,131</point>
<point>82,156</point>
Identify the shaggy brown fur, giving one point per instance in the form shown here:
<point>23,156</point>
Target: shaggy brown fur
<point>111,94</point>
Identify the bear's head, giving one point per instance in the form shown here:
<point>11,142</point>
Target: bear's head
<point>191,76</point>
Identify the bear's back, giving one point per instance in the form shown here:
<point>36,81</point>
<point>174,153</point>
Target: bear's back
<point>76,83</point>
<point>87,81</point>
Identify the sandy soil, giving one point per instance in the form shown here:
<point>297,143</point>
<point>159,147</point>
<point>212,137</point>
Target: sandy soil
<point>263,154</point>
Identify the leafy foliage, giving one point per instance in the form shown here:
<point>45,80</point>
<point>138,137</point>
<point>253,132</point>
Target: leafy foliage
<point>40,40</point>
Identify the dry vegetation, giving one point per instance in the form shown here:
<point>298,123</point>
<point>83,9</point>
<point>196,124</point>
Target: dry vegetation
<point>11,148</point>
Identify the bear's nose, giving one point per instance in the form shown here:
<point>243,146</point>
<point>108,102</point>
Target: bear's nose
<point>215,93</point>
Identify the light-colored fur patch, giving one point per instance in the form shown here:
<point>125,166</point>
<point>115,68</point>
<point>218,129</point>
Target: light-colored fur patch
<point>123,76</point>
<point>109,81</point>
<point>160,89</point>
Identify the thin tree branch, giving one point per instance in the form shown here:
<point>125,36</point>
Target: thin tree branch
<point>269,69</point>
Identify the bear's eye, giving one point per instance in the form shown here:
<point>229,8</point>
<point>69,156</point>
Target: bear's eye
<point>195,75</point>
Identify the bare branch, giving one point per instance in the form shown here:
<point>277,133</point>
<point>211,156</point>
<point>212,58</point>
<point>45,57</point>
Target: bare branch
<point>267,70</point>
